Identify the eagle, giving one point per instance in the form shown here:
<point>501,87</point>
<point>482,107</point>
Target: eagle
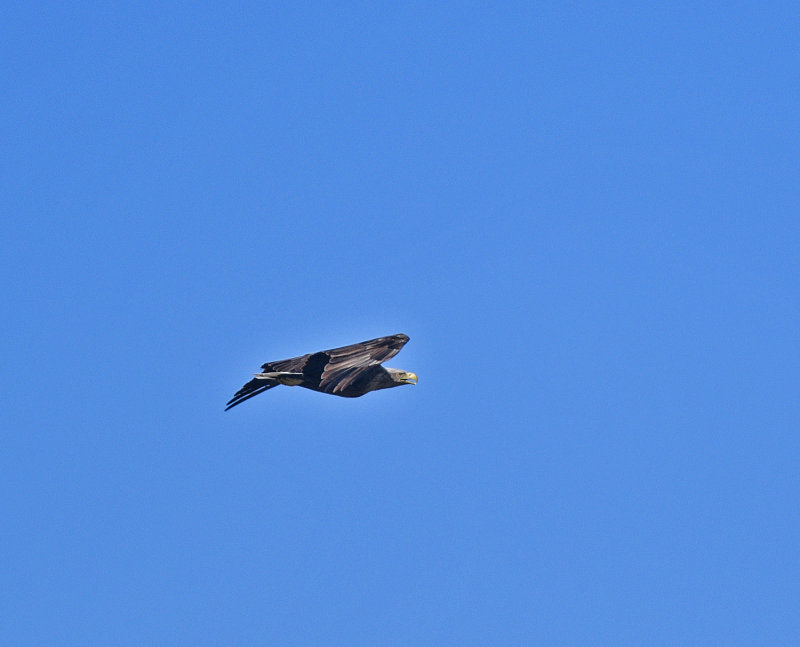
<point>349,371</point>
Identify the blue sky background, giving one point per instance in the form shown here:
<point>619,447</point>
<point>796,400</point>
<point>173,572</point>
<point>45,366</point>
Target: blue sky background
<point>584,216</point>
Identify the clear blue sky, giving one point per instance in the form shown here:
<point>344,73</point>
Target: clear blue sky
<point>584,216</point>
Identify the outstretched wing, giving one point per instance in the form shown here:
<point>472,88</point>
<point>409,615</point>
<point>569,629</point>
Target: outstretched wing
<point>252,388</point>
<point>330,371</point>
<point>346,364</point>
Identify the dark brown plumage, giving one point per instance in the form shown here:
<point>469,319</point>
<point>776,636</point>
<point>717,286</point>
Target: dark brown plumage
<point>349,371</point>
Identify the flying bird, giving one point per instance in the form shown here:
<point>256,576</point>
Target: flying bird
<point>349,371</point>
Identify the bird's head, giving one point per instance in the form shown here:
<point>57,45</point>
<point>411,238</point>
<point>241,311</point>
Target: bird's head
<point>402,377</point>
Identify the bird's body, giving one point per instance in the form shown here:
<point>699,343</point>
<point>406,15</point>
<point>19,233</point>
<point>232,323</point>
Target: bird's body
<point>349,371</point>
